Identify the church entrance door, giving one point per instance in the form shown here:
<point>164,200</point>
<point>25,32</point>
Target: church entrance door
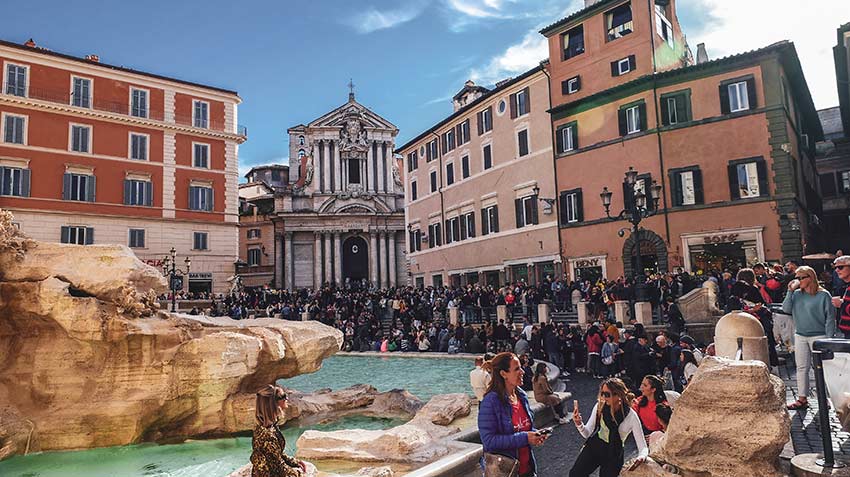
<point>355,259</point>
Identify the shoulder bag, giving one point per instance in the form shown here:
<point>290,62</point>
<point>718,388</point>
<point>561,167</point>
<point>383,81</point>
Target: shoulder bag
<point>497,465</point>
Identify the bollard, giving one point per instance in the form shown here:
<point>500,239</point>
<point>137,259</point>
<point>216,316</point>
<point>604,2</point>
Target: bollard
<point>502,312</point>
<point>582,314</point>
<point>621,311</point>
<point>543,313</point>
<point>643,313</point>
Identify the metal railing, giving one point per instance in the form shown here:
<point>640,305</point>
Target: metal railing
<point>117,107</point>
<point>823,350</point>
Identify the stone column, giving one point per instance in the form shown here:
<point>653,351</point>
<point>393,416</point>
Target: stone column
<point>337,259</point>
<point>326,146</point>
<point>317,262</point>
<point>373,258</point>
<point>379,160</point>
<point>288,260</point>
<point>335,166</point>
<point>328,275</point>
<point>278,260</point>
<point>390,165</point>
<point>383,260</point>
<point>391,262</point>
<point>370,168</point>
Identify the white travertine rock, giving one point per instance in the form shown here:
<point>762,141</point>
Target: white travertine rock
<point>83,368</point>
<point>420,440</point>
<point>730,421</point>
<point>362,398</point>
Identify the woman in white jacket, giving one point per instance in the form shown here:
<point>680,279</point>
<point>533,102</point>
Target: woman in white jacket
<point>604,448</point>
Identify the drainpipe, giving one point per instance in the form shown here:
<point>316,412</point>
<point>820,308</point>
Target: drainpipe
<point>555,172</point>
<point>663,178</point>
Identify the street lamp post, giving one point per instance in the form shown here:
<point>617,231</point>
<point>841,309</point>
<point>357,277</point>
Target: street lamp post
<point>169,268</point>
<point>634,213</point>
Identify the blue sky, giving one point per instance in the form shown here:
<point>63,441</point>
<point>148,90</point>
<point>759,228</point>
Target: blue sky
<point>290,60</point>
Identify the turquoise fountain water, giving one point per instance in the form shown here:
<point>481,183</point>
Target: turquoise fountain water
<point>219,457</point>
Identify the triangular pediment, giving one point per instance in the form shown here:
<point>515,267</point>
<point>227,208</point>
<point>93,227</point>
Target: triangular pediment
<point>336,118</point>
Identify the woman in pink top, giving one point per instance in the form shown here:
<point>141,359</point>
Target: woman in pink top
<point>594,347</point>
<point>652,394</point>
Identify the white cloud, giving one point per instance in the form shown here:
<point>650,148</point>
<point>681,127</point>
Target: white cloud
<point>373,19</point>
<point>757,23</point>
<point>516,59</point>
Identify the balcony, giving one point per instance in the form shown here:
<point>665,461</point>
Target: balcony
<point>252,269</point>
<point>112,107</point>
<point>620,30</point>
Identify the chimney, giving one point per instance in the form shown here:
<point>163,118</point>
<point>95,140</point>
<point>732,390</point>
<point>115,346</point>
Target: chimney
<point>93,58</point>
<point>30,43</point>
<point>702,55</point>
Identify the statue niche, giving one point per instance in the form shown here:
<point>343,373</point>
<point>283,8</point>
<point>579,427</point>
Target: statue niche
<point>353,146</point>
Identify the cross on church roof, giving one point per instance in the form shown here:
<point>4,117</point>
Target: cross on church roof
<point>351,89</point>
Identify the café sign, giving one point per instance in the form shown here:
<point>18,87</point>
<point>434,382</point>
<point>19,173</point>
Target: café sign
<point>724,238</point>
<point>587,263</point>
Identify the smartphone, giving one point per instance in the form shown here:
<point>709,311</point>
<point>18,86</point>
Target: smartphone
<point>544,432</point>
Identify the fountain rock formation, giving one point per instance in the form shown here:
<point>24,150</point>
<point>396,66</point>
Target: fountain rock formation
<point>360,399</point>
<point>420,440</point>
<point>87,359</point>
<point>730,421</point>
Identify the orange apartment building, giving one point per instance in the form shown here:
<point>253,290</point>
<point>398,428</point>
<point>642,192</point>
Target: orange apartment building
<point>480,188</point>
<point>94,153</point>
<point>730,141</point>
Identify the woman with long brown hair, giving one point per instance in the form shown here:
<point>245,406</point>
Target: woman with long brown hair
<point>268,458</point>
<point>505,421</point>
<point>811,309</point>
<point>611,422</point>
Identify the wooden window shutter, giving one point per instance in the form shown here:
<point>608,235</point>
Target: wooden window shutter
<point>459,134</point>
<point>615,71</point>
<point>513,106</point>
<point>127,191</point>
<point>479,118</point>
<point>562,202</point>
<point>148,194</point>
<point>472,222</point>
<point>642,114</point>
<point>724,99</point>
<point>565,89</point>
<point>632,63</point>
<point>559,139</point>
<point>698,191</point>
<point>25,183</point>
<point>89,235</point>
<point>496,218</point>
<point>665,111</point>
<point>621,118</point>
<point>761,167</point>
<point>734,189</point>
<point>92,186</point>
<point>527,99</point>
<point>676,193</point>
<point>65,235</point>
<point>518,210</point>
<point>463,227</point>
<point>579,206</point>
<point>751,93</point>
<point>682,113</point>
<point>484,223</point>
<point>66,187</point>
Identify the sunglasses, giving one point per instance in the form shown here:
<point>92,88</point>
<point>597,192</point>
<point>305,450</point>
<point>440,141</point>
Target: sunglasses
<point>605,394</point>
<point>802,278</point>
<point>840,267</point>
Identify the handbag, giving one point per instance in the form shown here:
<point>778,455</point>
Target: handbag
<point>497,465</point>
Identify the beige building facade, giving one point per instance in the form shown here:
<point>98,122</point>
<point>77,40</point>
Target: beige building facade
<point>480,189</point>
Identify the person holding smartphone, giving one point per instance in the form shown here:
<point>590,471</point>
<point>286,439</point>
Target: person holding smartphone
<point>506,423</point>
<point>611,422</point>
<point>813,313</point>
<point>841,300</point>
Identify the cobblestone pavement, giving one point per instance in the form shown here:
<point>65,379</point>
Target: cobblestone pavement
<point>805,426</point>
<point>556,457</point>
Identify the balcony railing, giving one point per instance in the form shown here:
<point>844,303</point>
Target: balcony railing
<point>114,107</point>
<point>620,30</point>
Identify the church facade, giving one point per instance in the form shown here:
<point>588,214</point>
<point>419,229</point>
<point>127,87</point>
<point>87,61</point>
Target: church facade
<point>340,217</point>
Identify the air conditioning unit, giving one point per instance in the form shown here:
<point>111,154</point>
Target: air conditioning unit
<point>424,238</point>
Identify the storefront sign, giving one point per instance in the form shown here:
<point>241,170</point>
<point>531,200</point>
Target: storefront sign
<point>200,276</point>
<point>587,263</point>
<point>725,238</point>
<point>154,262</point>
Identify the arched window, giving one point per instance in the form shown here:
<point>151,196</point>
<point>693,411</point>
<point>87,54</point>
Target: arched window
<point>301,153</point>
<point>300,140</point>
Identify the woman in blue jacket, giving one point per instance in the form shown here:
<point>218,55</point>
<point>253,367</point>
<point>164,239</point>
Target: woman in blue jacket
<point>505,420</point>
